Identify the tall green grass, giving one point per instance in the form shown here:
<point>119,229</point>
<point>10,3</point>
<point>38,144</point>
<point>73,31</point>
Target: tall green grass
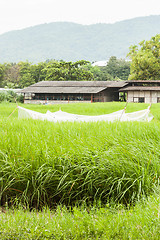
<point>43,163</point>
<point>77,108</point>
<point>87,223</point>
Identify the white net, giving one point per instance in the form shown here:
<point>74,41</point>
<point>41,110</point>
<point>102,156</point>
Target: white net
<point>143,115</point>
<point>60,116</point>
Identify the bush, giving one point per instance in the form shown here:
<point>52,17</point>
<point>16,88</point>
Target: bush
<point>20,98</point>
<point>10,96</point>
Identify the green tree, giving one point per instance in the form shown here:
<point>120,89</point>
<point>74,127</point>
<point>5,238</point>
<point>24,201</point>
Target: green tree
<point>26,78</point>
<point>11,75</point>
<point>67,71</point>
<point>2,75</point>
<point>145,60</point>
<point>37,72</point>
<point>54,71</point>
<point>98,73</point>
<point>118,68</point>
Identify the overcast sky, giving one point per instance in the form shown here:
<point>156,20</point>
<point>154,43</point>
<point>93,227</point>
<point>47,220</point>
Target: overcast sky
<point>19,14</point>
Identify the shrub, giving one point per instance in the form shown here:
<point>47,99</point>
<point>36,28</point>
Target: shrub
<point>10,96</point>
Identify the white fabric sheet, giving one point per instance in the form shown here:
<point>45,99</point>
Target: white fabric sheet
<point>60,116</point>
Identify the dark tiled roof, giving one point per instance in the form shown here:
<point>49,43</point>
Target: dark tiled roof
<point>143,81</point>
<point>63,89</point>
<point>78,83</point>
<point>140,88</point>
<point>72,86</point>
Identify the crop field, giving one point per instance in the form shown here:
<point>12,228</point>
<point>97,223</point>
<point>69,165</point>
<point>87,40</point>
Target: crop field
<point>45,164</point>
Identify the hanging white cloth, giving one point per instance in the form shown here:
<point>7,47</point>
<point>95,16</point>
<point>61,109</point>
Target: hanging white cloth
<point>143,115</point>
<point>60,116</point>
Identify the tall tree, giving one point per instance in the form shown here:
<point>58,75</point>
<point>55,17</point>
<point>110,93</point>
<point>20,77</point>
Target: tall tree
<point>67,71</point>
<point>145,60</point>
<point>98,73</point>
<point>116,69</point>
<point>2,75</point>
<point>26,77</point>
<point>12,75</point>
<point>37,72</point>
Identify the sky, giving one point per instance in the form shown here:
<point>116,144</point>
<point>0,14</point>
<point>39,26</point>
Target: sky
<point>19,14</point>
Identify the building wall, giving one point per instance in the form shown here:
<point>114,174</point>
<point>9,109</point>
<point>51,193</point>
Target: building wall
<point>149,96</point>
<point>50,102</point>
<point>110,95</point>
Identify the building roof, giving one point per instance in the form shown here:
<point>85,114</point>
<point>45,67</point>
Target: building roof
<point>143,81</point>
<point>63,90</point>
<point>72,86</point>
<point>140,88</point>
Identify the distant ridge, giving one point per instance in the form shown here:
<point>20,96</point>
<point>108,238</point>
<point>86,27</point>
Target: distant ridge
<point>72,42</point>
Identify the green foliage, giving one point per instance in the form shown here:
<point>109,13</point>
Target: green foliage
<point>116,69</point>
<point>11,75</point>
<point>8,96</point>
<point>23,74</point>
<point>98,73</point>
<point>87,223</point>
<point>146,60</point>
<point>37,71</point>
<point>67,71</point>
<point>26,78</point>
<point>2,74</point>
<point>41,162</point>
<point>20,98</point>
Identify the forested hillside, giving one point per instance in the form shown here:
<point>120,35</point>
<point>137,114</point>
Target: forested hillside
<point>73,42</point>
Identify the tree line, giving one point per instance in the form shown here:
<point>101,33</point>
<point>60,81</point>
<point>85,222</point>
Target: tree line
<point>23,74</point>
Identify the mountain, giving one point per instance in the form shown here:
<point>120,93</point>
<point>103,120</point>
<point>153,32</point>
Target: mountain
<point>72,42</point>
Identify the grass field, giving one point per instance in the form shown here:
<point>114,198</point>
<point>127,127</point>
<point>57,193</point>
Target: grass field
<point>140,222</point>
<point>113,165</point>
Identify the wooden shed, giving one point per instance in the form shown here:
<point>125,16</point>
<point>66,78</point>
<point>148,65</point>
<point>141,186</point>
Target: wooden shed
<point>72,91</point>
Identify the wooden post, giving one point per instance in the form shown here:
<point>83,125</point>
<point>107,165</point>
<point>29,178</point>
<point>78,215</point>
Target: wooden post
<point>123,111</point>
<point>124,97</point>
<point>12,112</point>
<point>91,98</point>
<point>150,106</point>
